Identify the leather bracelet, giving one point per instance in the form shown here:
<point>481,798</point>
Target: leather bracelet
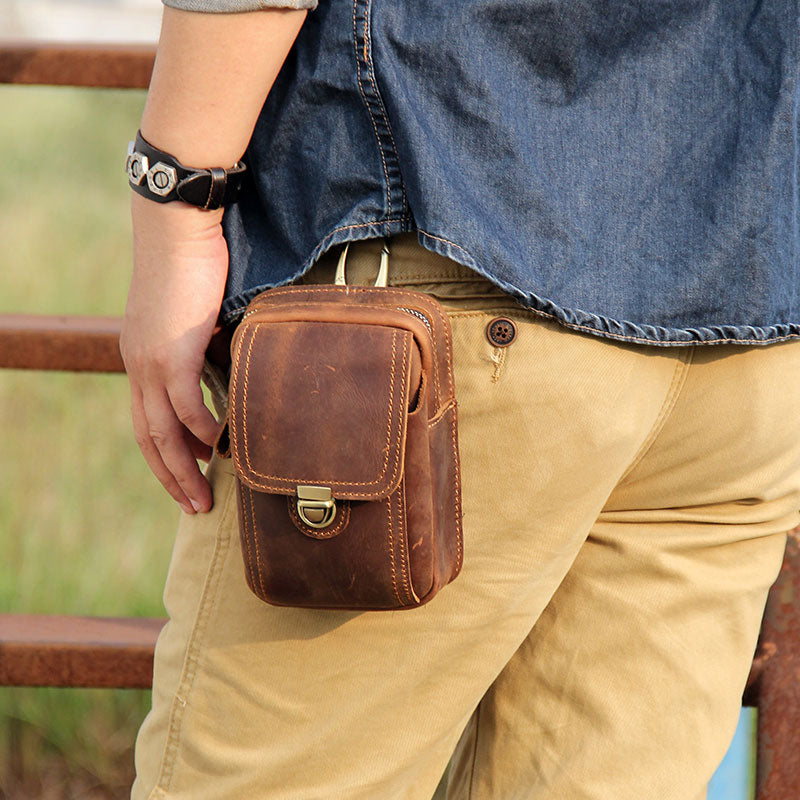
<point>159,176</point>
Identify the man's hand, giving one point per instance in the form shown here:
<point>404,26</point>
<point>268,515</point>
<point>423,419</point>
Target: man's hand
<point>211,76</point>
<point>179,271</point>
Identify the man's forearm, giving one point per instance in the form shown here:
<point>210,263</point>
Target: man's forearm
<point>211,77</point>
<point>212,74</point>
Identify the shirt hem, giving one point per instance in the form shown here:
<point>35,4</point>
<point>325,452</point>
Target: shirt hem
<point>574,319</point>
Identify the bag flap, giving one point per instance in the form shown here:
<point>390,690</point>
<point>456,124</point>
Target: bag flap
<point>321,403</point>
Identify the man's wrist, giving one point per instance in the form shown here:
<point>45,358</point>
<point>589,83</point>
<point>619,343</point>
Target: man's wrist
<point>166,226</point>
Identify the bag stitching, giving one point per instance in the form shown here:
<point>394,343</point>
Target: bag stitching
<point>321,480</point>
<point>459,533</point>
<point>412,595</point>
<point>401,546</point>
<point>432,423</point>
<point>391,550</point>
<point>246,536</point>
<point>448,350</point>
<point>434,307</point>
<point>232,429</point>
<point>258,582</point>
<point>457,464</point>
<point>257,546</point>
<point>398,422</point>
<point>452,407</point>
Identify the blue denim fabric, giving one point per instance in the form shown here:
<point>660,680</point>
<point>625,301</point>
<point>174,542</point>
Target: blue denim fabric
<point>629,168</point>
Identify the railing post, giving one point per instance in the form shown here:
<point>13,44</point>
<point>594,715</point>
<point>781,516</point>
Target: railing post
<point>776,686</point>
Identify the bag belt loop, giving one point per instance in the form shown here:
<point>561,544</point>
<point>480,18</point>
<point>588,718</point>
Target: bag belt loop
<point>383,270</point>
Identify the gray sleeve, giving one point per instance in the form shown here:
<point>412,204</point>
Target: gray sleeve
<point>231,6</point>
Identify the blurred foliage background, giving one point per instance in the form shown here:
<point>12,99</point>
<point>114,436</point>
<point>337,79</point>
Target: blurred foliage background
<point>84,527</point>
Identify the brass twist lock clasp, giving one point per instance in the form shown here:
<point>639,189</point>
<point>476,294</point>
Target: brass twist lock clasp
<point>316,506</point>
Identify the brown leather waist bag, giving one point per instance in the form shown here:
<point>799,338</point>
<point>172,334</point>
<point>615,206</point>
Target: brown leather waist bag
<point>342,429</point>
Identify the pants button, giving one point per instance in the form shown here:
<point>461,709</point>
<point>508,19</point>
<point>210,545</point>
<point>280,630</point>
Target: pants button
<point>501,331</point>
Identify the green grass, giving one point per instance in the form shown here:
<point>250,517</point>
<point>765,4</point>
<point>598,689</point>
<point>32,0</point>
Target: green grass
<point>84,528</point>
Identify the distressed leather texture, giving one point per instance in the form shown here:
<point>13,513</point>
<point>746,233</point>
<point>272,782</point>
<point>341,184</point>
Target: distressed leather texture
<point>351,388</point>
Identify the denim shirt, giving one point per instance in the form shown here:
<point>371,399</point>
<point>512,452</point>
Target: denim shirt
<point>629,168</point>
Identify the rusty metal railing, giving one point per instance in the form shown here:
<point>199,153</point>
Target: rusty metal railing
<point>93,652</point>
<point>37,650</point>
<point>96,66</point>
<point>76,344</point>
<point>774,684</point>
<point>88,652</point>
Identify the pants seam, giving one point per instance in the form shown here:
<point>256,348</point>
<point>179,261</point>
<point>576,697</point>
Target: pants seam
<point>474,752</point>
<point>671,398</point>
<point>191,659</point>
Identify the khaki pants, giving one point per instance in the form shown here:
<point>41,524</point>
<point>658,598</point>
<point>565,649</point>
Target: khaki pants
<point>625,510</point>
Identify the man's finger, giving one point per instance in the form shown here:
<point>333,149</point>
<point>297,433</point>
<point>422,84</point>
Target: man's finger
<point>167,433</point>
<point>200,450</point>
<point>151,454</point>
<point>186,398</point>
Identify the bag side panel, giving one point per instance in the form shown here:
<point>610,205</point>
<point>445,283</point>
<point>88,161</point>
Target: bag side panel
<point>446,480</point>
<point>421,519</point>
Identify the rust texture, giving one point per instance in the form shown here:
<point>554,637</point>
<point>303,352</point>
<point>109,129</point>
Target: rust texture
<point>78,344</point>
<point>57,64</point>
<point>95,652</point>
<point>774,685</point>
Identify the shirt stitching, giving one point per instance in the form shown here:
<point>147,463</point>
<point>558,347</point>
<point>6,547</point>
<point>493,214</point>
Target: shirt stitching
<point>366,102</point>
